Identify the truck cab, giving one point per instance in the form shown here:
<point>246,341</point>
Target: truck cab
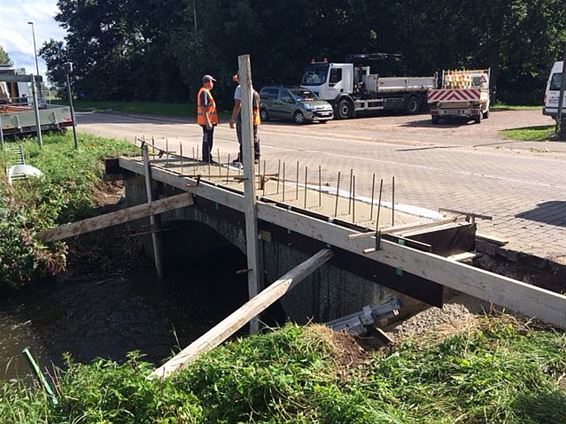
<point>552,94</point>
<point>328,80</point>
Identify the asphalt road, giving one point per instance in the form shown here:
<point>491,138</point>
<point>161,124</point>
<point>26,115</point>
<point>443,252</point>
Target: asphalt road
<point>465,167</point>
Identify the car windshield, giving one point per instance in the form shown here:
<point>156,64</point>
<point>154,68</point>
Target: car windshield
<point>315,74</point>
<point>556,81</point>
<point>303,94</point>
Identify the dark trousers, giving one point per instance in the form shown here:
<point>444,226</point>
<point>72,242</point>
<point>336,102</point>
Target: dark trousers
<point>256,141</point>
<point>207,141</point>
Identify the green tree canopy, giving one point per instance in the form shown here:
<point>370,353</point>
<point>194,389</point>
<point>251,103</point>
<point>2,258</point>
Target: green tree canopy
<point>4,57</point>
<point>154,49</point>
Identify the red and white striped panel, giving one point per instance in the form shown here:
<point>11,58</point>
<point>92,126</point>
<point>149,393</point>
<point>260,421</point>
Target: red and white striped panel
<point>454,95</point>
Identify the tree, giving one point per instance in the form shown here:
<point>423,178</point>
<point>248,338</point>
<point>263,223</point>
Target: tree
<point>4,57</point>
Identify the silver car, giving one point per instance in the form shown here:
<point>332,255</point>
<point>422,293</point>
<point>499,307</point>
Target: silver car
<point>297,104</point>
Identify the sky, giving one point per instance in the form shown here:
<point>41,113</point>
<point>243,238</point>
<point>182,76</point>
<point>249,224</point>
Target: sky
<point>16,35</point>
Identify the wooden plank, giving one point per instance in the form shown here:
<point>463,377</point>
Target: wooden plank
<point>464,256</point>
<point>116,218</point>
<point>512,294</point>
<point>491,238</point>
<point>250,198</point>
<point>406,227</point>
<point>236,320</point>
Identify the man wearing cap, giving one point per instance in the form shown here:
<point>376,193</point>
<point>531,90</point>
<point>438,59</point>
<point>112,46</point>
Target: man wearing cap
<point>237,118</point>
<point>207,117</point>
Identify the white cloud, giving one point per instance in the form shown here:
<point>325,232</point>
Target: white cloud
<point>16,35</point>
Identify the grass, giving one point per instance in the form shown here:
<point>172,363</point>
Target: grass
<point>536,133</point>
<point>62,195</point>
<point>504,106</point>
<point>152,108</point>
<point>498,372</point>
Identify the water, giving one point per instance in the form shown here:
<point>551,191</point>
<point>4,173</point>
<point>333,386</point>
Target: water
<point>109,311</point>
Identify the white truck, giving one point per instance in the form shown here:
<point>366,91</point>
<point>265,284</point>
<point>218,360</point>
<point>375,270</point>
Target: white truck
<point>552,94</point>
<point>351,87</point>
<point>463,94</point>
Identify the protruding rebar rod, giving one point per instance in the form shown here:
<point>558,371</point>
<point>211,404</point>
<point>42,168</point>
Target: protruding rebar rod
<point>372,197</point>
<point>350,199</point>
<point>194,161</point>
<point>283,189</point>
<point>319,186</point>
<point>278,174</point>
<point>166,153</point>
<point>393,202</point>
<point>297,183</point>
<point>218,161</point>
<point>337,195</point>
<point>354,199</point>
<point>152,146</point>
<point>263,179</point>
<point>378,206</point>
<point>181,157</point>
<point>228,170</point>
<point>306,189</point>
<point>208,166</point>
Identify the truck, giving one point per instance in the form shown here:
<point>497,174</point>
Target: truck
<point>17,105</point>
<point>462,94</point>
<point>552,93</point>
<point>367,82</point>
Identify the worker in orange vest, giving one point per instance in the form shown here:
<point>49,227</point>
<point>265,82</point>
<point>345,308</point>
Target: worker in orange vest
<point>207,116</point>
<point>237,119</point>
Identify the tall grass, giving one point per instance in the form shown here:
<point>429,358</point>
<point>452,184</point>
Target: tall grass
<point>497,373</point>
<point>61,195</point>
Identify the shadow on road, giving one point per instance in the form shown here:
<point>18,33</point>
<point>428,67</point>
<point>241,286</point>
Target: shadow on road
<point>552,213</point>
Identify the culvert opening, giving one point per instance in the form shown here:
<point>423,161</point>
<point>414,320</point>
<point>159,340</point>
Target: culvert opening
<point>202,266</point>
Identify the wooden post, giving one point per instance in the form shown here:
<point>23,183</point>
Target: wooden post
<point>238,318</point>
<point>250,199</point>
<point>152,219</point>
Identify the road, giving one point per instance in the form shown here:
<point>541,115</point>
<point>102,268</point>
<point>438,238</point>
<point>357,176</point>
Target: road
<point>522,185</point>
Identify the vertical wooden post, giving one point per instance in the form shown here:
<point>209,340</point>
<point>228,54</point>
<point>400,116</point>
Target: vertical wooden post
<point>250,199</point>
<point>152,218</point>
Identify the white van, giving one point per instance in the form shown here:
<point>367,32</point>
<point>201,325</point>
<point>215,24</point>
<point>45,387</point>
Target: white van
<point>552,93</point>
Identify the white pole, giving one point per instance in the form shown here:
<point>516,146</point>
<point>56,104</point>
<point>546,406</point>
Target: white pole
<point>250,199</point>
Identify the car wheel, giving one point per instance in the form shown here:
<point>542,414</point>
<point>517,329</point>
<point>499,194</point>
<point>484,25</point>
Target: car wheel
<point>263,115</point>
<point>345,109</point>
<point>299,117</point>
<point>485,114</point>
<point>412,106</point>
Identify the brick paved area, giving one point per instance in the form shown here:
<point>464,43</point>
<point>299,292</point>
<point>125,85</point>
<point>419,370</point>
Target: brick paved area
<point>522,185</point>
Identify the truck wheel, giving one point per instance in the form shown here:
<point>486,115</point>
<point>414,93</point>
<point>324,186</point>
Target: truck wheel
<point>435,119</point>
<point>299,117</point>
<point>263,115</point>
<point>412,106</point>
<point>485,114</point>
<point>345,109</point>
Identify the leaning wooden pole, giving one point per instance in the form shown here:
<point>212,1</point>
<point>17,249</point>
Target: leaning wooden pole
<point>236,320</point>
<point>152,218</point>
<point>250,199</point>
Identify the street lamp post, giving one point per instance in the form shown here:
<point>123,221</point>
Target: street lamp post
<point>35,56</point>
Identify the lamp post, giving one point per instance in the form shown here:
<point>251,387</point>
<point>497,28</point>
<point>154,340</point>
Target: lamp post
<point>35,56</point>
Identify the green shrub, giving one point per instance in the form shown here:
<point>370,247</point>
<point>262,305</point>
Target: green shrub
<point>62,195</point>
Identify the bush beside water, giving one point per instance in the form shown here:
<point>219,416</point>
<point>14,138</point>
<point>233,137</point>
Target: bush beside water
<point>495,373</point>
<point>64,194</point>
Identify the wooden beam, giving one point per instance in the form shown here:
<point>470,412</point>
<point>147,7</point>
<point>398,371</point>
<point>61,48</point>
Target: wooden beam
<point>236,320</point>
<point>515,295</point>
<point>116,218</point>
<point>407,227</point>
<point>250,198</point>
<point>153,221</point>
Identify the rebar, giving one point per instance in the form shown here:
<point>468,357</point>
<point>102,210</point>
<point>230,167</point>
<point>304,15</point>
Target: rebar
<point>263,180</point>
<point>166,153</point>
<point>278,173</point>
<point>354,199</point>
<point>337,195</point>
<point>393,202</point>
<point>181,156</point>
<point>283,190</point>
<point>228,169</point>
<point>378,206</point>
<point>306,190</point>
<point>372,197</point>
<point>350,199</point>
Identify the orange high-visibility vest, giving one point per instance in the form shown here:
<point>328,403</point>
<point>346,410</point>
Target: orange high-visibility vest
<point>210,109</point>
